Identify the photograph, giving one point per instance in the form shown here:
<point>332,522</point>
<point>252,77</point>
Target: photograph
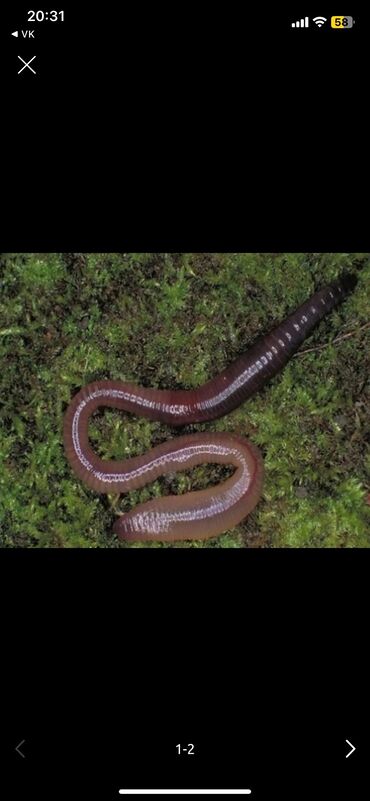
<point>184,400</point>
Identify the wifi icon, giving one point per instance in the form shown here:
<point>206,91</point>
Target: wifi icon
<point>319,21</point>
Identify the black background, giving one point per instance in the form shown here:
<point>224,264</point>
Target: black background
<point>180,130</point>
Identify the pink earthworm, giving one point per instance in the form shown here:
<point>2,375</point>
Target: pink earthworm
<point>209,512</point>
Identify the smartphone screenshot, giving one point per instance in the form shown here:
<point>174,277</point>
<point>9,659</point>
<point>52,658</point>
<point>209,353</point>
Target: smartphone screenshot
<point>184,403</point>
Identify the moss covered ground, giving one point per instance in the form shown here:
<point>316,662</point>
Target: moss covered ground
<point>174,321</point>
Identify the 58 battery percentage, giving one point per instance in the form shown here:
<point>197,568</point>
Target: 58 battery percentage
<point>342,22</point>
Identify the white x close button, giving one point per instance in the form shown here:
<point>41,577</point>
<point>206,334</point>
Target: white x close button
<point>27,64</point>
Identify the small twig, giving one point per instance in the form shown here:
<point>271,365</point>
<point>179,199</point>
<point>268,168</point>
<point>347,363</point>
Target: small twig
<point>334,341</point>
<point>87,357</point>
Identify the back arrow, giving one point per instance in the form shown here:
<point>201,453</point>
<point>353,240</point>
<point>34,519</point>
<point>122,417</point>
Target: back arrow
<point>18,748</point>
<point>353,748</point>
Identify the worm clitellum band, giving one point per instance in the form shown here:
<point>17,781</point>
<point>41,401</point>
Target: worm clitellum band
<point>206,513</point>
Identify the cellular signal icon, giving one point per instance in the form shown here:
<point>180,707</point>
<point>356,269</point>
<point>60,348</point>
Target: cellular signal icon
<point>301,23</point>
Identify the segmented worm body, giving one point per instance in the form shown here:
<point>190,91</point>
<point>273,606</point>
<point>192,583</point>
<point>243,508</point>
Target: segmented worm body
<point>206,513</point>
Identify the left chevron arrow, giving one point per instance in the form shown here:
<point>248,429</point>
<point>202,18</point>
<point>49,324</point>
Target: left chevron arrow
<point>18,749</point>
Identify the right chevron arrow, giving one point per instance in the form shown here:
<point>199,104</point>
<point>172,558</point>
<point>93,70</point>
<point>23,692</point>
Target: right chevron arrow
<point>352,747</point>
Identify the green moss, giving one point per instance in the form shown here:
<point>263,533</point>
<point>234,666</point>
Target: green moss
<point>40,271</point>
<point>171,321</point>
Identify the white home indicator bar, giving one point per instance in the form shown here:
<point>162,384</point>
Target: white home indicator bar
<point>185,792</point>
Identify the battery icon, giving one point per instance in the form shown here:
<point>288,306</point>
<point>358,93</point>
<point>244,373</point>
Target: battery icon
<point>342,22</point>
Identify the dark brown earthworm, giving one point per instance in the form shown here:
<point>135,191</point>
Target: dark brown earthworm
<point>206,513</point>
